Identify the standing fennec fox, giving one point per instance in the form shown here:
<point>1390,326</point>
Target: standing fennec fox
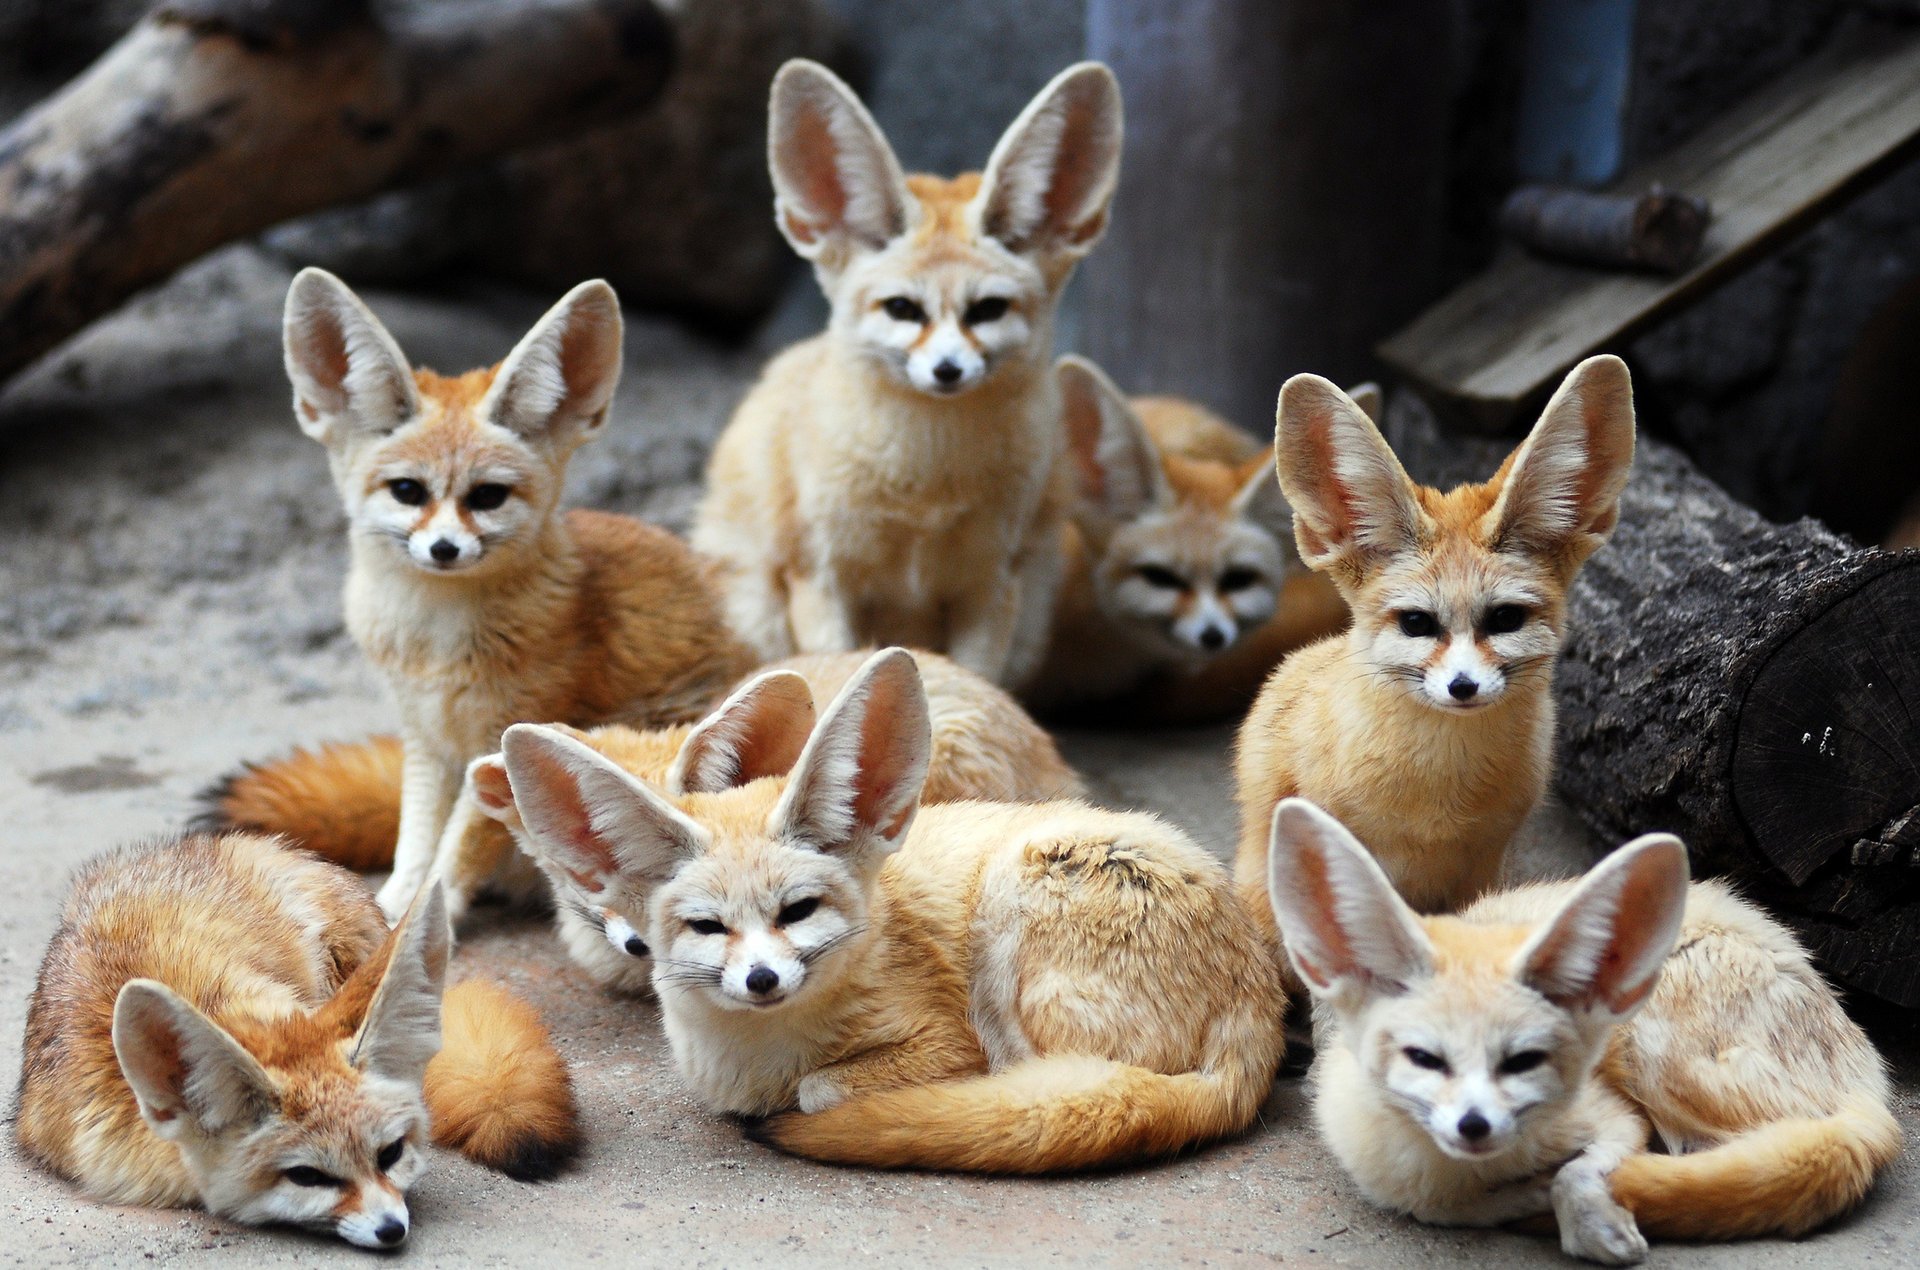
<point>898,479</point>
<point>983,746</point>
<point>1428,726</point>
<point>1182,586</point>
<point>1514,1061</point>
<point>482,603</point>
<point>223,1021</point>
<point>996,987</point>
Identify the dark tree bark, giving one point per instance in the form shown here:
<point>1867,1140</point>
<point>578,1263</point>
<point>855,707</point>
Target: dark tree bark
<point>1751,687</point>
<point>213,119</point>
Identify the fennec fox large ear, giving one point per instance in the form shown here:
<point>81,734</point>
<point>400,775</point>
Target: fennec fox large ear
<point>1350,496</point>
<point>349,376</point>
<point>1051,178</point>
<point>589,818</point>
<point>401,1031</point>
<point>1562,486</point>
<point>837,186</point>
<point>188,1074</point>
<point>858,782</point>
<point>758,731</point>
<point>1601,954</point>
<point>558,381</point>
<point>1347,932</point>
<point>1117,462</point>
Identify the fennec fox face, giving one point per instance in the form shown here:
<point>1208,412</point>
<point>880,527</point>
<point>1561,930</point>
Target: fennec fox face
<point>1189,555</point>
<point>1457,595</point>
<point>315,1121</point>
<point>1473,1034</point>
<point>759,893</point>
<point>938,284</point>
<point>757,732</point>
<point>456,474</point>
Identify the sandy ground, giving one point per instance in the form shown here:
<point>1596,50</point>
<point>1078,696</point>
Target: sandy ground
<point>170,558</point>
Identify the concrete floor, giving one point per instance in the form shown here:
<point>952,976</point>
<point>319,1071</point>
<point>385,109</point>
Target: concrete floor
<point>169,564</point>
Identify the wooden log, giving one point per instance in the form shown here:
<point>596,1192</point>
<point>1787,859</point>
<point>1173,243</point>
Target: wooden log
<point>1657,230</point>
<point>1751,687</point>
<point>213,119</point>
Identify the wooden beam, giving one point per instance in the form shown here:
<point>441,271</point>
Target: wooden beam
<point>1501,341</point>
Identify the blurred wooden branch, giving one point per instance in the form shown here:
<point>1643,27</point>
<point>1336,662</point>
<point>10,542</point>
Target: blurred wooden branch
<point>213,119</point>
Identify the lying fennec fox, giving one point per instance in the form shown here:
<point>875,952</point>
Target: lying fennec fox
<point>1002,988</point>
<point>897,479</point>
<point>1513,1061</point>
<point>1428,725</point>
<point>984,746</point>
<point>223,1021</point>
<point>479,600</point>
<point>1183,587</point>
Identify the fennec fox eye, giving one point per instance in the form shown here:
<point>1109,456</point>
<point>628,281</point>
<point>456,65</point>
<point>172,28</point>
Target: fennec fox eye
<point>1504,619</point>
<point>1522,1062</point>
<point>1161,576</point>
<point>798,911</point>
<point>1239,579</point>
<point>484,498</point>
<point>390,1154</point>
<point>1418,624</point>
<point>1425,1058</point>
<point>901,309</point>
<point>705,926</point>
<point>307,1175</point>
<point>407,491</point>
<point>990,309</point>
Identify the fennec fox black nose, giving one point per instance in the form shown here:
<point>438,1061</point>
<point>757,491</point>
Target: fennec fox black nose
<point>390,1232</point>
<point>443,550</point>
<point>762,980</point>
<point>1213,638</point>
<point>1474,1126</point>
<point>947,372</point>
<point>1462,688</point>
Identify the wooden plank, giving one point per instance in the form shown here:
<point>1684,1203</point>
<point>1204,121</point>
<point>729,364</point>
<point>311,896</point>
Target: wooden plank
<point>1504,338</point>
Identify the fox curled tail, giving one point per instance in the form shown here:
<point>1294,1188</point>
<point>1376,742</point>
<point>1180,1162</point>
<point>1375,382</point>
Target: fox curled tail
<point>1788,1177</point>
<point>498,1092</point>
<point>340,801</point>
<point>1042,1115</point>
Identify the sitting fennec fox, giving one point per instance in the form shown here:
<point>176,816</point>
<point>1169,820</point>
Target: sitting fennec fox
<point>993,987</point>
<point>1428,725</point>
<point>1514,1060</point>
<point>224,1021</point>
<point>984,746</point>
<point>1183,587</point>
<point>899,478</point>
<point>480,601</point>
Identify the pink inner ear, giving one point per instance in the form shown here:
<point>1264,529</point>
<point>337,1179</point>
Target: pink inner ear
<point>567,819</point>
<point>813,164</point>
<point>883,764</point>
<point>491,787</point>
<point>1316,881</point>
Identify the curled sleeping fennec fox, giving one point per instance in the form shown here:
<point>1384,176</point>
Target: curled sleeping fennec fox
<point>1183,587</point>
<point>899,478</point>
<point>1012,988</point>
<point>480,601</point>
<point>1515,1061</point>
<point>220,1020</point>
<point>1428,725</point>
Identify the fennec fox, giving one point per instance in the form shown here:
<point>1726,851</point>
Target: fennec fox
<point>898,478</point>
<point>1428,725</point>
<point>1183,587</point>
<point>994,987</point>
<point>1515,1060</point>
<point>223,1021</point>
<point>478,599</point>
<point>984,746</point>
